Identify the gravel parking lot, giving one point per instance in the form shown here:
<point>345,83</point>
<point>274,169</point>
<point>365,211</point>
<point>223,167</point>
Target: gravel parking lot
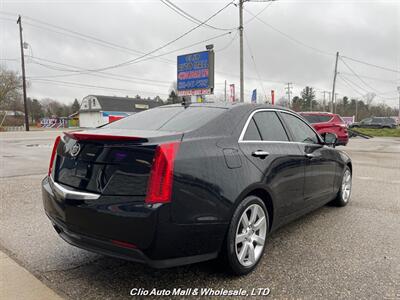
<point>350,252</point>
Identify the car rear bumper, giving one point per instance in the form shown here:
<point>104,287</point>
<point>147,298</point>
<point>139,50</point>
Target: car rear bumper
<point>342,141</point>
<point>131,230</point>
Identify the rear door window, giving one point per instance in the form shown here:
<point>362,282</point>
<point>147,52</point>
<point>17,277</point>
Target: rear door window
<point>269,126</point>
<point>317,118</point>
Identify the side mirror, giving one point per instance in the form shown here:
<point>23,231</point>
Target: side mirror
<point>330,139</point>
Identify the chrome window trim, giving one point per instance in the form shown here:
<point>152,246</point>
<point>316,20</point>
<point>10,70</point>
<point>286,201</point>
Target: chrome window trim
<point>275,110</point>
<point>66,193</point>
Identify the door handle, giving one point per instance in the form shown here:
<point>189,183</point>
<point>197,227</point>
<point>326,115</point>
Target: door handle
<point>260,153</point>
<point>310,155</point>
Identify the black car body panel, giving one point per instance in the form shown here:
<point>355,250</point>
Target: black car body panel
<point>214,169</point>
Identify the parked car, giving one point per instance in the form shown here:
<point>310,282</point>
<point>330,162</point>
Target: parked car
<point>177,184</point>
<point>376,122</point>
<point>325,122</point>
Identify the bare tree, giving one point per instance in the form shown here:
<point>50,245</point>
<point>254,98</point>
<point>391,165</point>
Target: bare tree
<point>369,97</point>
<point>10,87</point>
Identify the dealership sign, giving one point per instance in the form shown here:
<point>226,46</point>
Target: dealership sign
<point>195,74</point>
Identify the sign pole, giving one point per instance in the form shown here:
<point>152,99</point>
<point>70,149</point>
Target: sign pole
<point>225,91</point>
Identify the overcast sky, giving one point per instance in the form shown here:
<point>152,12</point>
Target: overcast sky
<point>296,43</point>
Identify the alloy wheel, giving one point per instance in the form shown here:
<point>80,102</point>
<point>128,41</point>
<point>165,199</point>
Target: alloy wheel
<point>250,235</point>
<point>346,186</point>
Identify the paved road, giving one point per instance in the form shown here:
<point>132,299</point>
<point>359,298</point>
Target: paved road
<point>350,252</point>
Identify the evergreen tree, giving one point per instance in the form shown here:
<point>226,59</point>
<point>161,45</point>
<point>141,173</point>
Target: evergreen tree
<point>75,106</point>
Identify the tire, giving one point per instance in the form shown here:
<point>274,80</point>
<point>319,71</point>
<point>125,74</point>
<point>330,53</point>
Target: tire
<point>344,194</point>
<point>244,246</point>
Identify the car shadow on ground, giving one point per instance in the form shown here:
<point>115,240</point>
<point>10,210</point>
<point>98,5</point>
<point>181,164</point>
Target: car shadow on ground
<point>111,277</point>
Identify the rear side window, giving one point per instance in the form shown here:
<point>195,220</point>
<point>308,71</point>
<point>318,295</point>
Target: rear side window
<point>317,118</point>
<point>366,121</point>
<point>269,126</point>
<point>390,121</point>
<point>252,133</point>
<point>377,120</point>
<point>301,131</point>
<point>175,118</point>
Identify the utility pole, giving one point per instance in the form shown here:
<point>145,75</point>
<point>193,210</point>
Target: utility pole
<point>334,80</point>
<point>330,102</point>
<point>225,91</point>
<point>240,4</point>
<point>289,91</point>
<point>356,118</point>
<point>324,103</point>
<point>398,89</point>
<point>335,104</point>
<point>19,21</point>
<point>241,50</point>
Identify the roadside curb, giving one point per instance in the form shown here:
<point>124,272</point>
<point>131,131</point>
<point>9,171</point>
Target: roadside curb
<point>18,283</point>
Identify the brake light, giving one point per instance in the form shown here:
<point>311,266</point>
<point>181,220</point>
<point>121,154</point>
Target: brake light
<point>53,154</point>
<point>159,188</point>
<point>80,136</point>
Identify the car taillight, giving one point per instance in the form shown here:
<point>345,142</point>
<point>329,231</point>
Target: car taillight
<point>53,154</point>
<point>159,188</point>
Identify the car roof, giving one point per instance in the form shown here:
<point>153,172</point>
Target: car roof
<point>316,113</point>
<point>231,105</point>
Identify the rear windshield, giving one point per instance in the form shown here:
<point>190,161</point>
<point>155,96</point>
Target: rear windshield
<point>316,118</point>
<point>174,118</point>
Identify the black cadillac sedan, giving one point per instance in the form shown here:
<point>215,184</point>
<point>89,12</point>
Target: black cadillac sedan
<point>177,184</point>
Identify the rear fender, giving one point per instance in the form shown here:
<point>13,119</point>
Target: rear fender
<point>248,191</point>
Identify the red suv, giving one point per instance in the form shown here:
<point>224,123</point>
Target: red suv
<point>328,122</point>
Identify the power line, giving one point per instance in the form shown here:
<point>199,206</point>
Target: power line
<point>365,90</point>
<point>7,13</point>
<point>255,65</point>
<point>350,82</point>
<point>229,43</point>
<point>99,74</point>
<point>355,74</point>
<point>372,65</point>
<point>288,36</point>
<point>259,13</point>
<point>372,78</point>
<point>7,19</point>
<point>79,70</point>
<point>82,36</point>
<point>345,81</point>
<point>128,62</point>
<point>73,84</point>
<point>353,83</point>
<point>85,37</point>
<point>190,17</point>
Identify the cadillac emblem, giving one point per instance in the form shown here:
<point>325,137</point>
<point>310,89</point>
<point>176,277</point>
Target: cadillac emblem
<point>75,150</point>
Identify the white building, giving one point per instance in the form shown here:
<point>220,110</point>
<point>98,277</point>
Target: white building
<point>97,110</point>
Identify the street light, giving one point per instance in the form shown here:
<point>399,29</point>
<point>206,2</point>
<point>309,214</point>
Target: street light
<point>241,43</point>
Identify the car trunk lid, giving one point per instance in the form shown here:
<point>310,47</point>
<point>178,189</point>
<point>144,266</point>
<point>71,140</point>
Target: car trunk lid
<point>111,162</point>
